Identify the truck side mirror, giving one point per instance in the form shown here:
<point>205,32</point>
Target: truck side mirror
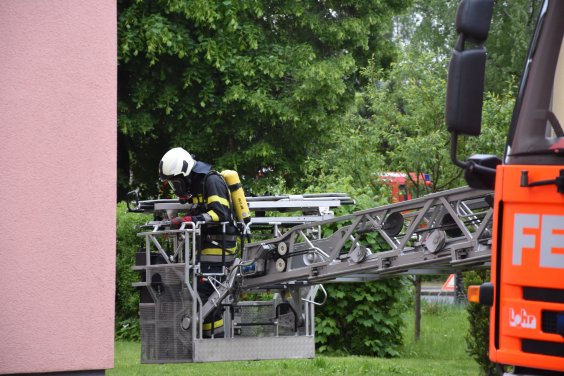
<point>465,91</point>
<point>465,87</point>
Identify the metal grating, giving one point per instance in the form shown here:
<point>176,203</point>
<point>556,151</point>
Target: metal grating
<point>255,312</point>
<point>245,348</point>
<point>170,274</point>
<point>148,349</point>
<point>162,337</point>
<point>263,313</point>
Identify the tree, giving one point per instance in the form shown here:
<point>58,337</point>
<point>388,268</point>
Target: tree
<point>397,124</point>
<point>406,109</point>
<point>244,84</point>
<point>513,23</point>
<point>429,25</point>
<point>349,153</point>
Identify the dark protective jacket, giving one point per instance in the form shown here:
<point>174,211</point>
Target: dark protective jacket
<point>211,198</point>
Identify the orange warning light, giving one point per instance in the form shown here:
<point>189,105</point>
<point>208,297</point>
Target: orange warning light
<point>474,294</point>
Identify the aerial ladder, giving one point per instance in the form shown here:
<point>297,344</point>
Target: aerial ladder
<point>291,257</point>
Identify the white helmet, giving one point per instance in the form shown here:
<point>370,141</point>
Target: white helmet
<point>175,162</point>
<point>175,166</point>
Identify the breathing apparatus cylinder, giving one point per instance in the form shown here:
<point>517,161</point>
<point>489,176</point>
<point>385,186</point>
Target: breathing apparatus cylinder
<point>241,207</point>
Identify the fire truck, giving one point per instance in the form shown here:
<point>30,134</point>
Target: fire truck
<point>526,292</point>
<point>402,184</point>
<point>510,218</point>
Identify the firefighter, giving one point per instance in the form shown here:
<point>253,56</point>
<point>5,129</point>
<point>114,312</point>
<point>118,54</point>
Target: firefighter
<point>207,190</point>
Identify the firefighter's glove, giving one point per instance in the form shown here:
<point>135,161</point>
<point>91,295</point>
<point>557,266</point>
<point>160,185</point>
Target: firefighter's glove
<point>175,223</point>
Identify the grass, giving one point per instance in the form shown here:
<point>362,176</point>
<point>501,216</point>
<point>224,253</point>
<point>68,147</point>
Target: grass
<point>440,351</point>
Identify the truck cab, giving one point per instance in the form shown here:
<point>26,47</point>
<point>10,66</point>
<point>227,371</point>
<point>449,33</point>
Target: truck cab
<point>526,292</point>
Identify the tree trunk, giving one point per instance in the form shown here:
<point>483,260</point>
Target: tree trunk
<point>417,324</point>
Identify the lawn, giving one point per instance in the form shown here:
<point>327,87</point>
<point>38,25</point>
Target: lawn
<point>440,351</point>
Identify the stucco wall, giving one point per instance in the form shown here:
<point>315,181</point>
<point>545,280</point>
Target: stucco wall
<point>57,184</point>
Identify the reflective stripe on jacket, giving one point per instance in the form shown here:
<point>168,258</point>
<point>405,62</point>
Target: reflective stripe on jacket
<point>212,197</point>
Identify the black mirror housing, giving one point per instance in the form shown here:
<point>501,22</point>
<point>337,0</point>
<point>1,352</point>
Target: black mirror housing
<point>480,171</point>
<point>465,91</point>
<point>473,19</point>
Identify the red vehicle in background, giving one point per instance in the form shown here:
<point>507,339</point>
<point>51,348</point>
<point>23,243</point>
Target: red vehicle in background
<point>404,187</point>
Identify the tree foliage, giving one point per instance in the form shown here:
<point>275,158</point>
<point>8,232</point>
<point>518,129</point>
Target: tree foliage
<point>244,84</point>
<point>398,125</point>
<point>349,154</point>
<point>429,25</point>
<point>513,23</point>
<point>406,108</point>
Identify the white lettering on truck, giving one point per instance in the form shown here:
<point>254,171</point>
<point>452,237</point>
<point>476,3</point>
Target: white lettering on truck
<point>551,238</point>
<point>522,319</point>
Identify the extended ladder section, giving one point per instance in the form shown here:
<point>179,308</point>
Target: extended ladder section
<point>435,234</point>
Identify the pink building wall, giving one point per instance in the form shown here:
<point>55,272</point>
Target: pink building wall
<point>58,93</point>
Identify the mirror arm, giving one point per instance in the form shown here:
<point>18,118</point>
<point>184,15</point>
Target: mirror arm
<point>453,145</point>
<point>472,166</point>
<point>459,45</point>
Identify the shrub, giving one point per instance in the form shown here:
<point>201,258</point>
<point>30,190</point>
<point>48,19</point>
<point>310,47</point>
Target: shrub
<point>477,338</point>
<point>361,318</point>
<point>127,298</point>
